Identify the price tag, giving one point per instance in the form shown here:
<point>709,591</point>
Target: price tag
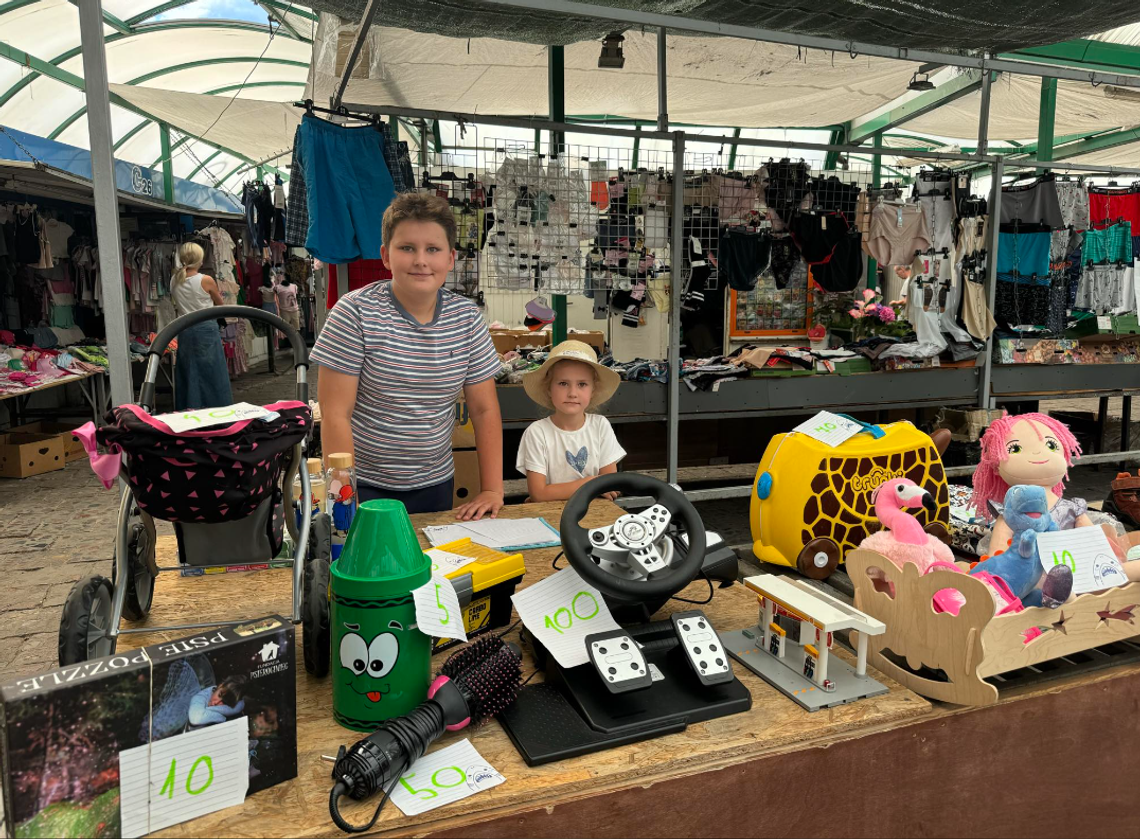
<point>830,429</point>
<point>1104,323</point>
<point>443,777</point>
<point>181,778</point>
<point>209,417</point>
<point>437,609</point>
<point>1087,552</point>
<point>444,562</point>
<point>561,611</point>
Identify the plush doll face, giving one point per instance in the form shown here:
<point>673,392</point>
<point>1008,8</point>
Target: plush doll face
<point>1035,456</point>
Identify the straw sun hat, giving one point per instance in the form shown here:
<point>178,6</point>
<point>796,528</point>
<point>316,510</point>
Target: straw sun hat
<point>535,381</point>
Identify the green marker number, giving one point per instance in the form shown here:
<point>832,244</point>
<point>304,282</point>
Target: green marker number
<point>429,792</point>
<point>170,784</point>
<point>1066,558</point>
<point>582,609</point>
<point>439,602</point>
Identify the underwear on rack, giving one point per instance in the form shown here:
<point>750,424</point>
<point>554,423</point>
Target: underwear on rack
<point>1110,244</point>
<point>1024,254</point>
<point>1109,206</point>
<point>845,268</point>
<point>783,261</point>
<point>817,236</point>
<point>897,232</point>
<point>743,256</point>
<point>1034,203</point>
<point>975,312</point>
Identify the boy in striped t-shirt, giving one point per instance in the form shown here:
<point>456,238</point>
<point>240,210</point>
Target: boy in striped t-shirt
<point>394,357</point>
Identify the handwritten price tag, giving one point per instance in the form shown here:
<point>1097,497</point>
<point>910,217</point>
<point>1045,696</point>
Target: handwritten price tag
<point>444,562</point>
<point>1087,553</point>
<point>561,611</point>
<point>183,777</point>
<point>208,417</point>
<point>830,429</point>
<point>444,777</point>
<point>438,613</point>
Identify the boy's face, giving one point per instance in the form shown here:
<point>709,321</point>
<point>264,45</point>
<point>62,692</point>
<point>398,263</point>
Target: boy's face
<point>419,256</point>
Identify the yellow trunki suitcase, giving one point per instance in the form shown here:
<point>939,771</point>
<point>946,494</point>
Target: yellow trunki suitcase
<point>812,502</point>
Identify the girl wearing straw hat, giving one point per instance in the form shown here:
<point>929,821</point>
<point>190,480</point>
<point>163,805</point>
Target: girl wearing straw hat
<point>562,452</point>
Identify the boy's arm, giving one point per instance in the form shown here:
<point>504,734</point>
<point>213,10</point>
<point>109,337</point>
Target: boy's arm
<point>483,407</point>
<point>337,394</point>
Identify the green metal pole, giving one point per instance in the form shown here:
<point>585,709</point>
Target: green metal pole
<point>1046,119</point>
<point>876,180</point>
<point>838,136</point>
<point>732,151</point>
<point>556,97</point>
<point>167,163</point>
<point>636,148</point>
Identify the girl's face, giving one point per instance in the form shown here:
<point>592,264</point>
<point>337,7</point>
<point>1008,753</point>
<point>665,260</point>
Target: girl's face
<point>1036,456</point>
<point>571,387</point>
<point>419,256</point>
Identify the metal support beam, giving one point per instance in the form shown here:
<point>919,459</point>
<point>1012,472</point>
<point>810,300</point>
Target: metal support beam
<point>677,288</point>
<point>912,106</point>
<point>202,166</point>
<point>633,160</point>
<point>354,54</point>
<point>985,400</point>
<point>831,159</point>
<point>556,104</point>
<point>110,20</point>
<point>106,199</point>
<point>167,163</point>
<point>281,20</point>
<point>876,180</point>
<point>662,82</point>
<point>1046,118</point>
<point>732,150</point>
<point>856,48</point>
<point>984,113</point>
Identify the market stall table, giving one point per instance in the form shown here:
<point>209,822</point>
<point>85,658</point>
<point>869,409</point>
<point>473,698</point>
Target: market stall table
<point>93,386</point>
<point>888,765</point>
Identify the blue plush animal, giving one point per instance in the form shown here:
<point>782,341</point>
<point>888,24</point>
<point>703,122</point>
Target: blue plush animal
<point>1026,511</point>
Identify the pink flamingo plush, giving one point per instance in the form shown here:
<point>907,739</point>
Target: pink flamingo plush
<point>904,540</point>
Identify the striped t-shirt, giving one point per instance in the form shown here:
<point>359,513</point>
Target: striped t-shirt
<point>410,375</point>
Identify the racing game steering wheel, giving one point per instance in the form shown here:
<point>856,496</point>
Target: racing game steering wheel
<point>634,558</point>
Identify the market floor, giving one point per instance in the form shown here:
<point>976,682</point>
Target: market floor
<point>59,527</point>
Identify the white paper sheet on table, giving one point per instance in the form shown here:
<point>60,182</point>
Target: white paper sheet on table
<point>444,777</point>
<point>1087,551</point>
<point>501,534</point>
<point>829,428</point>
<point>438,613</point>
<point>183,777</point>
<point>561,611</point>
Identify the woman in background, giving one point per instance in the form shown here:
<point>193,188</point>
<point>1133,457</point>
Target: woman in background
<point>201,379</point>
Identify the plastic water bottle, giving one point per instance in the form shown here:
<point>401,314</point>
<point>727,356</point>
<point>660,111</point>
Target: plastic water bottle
<point>316,489</point>
<point>341,483</point>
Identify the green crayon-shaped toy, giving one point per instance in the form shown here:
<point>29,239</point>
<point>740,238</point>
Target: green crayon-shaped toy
<point>381,662</point>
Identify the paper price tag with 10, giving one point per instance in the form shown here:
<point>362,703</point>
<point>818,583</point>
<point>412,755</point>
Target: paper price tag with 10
<point>1087,552</point>
<point>829,428</point>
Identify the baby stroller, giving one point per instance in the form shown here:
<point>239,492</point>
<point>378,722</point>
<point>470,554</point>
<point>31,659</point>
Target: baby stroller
<point>223,487</point>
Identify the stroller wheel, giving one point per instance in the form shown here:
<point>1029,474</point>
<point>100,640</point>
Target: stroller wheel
<point>140,577</point>
<point>86,617</point>
<point>320,538</point>
<point>315,636</point>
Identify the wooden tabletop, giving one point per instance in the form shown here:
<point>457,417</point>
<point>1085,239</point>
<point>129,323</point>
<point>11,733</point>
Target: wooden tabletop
<point>70,378</point>
<point>300,807</point>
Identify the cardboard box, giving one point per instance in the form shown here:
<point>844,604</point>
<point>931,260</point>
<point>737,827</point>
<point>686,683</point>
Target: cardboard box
<point>24,455</point>
<point>463,435</point>
<point>467,483</point>
<point>63,731</point>
<point>72,447</point>
<point>506,340</point>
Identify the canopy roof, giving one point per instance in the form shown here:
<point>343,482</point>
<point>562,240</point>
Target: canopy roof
<point>223,73</point>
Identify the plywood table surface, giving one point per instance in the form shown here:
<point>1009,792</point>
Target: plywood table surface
<point>300,807</point>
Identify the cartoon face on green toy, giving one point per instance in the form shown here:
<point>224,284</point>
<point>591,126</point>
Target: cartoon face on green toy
<point>365,665</point>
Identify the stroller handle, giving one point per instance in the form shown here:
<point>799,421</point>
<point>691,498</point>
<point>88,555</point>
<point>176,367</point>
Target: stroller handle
<point>170,332</point>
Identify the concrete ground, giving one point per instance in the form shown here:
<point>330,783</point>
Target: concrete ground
<point>59,527</point>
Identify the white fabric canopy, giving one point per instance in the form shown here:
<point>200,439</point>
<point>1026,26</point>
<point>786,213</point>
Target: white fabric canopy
<point>715,81</point>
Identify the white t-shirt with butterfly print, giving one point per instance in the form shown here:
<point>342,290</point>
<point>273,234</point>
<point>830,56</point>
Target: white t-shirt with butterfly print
<point>565,456</point>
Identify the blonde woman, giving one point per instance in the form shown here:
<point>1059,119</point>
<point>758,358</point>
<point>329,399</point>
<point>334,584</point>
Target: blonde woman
<point>201,379</point>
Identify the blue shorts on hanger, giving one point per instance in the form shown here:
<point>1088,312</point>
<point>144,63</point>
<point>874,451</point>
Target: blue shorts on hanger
<point>349,188</point>
<point>1025,254</point>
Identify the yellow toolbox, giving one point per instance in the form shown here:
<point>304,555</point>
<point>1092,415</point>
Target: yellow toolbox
<point>484,588</point>
<point>811,502</point>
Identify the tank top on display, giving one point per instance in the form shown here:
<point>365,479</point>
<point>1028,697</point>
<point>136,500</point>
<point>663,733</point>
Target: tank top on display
<point>189,295</point>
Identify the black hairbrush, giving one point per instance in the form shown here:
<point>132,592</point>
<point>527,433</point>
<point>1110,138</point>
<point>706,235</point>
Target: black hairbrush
<point>474,685</point>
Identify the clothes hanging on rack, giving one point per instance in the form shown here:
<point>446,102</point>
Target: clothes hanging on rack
<point>1032,203</point>
<point>897,232</point>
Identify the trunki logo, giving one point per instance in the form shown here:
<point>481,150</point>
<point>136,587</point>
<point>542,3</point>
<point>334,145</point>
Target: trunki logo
<point>863,483</point>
